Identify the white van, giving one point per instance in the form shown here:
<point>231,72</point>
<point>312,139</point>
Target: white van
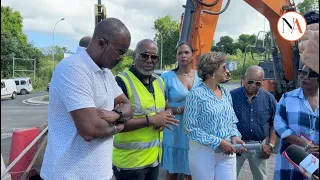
<point>8,89</point>
<point>24,85</point>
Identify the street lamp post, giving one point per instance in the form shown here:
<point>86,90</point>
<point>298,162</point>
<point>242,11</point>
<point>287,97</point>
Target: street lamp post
<point>53,43</point>
<point>161,50</point>
<point>160,47</point>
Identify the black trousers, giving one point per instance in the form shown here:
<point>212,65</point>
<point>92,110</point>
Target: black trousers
<point>149,173</point>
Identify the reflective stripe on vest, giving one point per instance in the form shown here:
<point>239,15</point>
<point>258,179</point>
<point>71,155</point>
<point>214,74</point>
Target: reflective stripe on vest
<point>137,111</point>
<point>141,147</point>
<point>136,145</point>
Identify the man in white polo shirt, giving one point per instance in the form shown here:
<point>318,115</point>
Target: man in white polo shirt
<point>80,137</point>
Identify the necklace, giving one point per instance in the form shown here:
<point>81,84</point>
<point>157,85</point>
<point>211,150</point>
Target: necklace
<point>185,74</point>
<point>312,121</point>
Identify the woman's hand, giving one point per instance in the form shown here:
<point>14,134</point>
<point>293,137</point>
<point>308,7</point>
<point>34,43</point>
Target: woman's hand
<point>237,140</point>
<point>226,147</point>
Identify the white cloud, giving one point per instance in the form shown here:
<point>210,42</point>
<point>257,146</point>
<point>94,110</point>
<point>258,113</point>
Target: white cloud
<point>138,15</point>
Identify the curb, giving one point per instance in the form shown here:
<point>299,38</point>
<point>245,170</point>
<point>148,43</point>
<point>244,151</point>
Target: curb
<point>36,101</point>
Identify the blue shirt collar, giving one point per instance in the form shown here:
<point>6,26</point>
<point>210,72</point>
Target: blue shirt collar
<point>298,93</point>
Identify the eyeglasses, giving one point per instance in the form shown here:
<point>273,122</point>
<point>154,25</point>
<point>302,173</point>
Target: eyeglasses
<point>258,83</point>
<point>119,56</point>
<point>146,56</point>
<point>306,74</point>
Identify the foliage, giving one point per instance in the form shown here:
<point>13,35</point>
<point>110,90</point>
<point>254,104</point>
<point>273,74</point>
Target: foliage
<point>169,29</point>
<point>123,65</point>
<point>14,42</point>
<point>308,5</point>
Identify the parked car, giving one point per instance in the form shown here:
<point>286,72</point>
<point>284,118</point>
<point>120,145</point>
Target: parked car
<point>8,89</point>
<point>159,72</point>
<point>24,85</point>
<point>48,87</point>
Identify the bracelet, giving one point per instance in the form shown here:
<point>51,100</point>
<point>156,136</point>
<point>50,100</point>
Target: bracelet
<point>148,121</point>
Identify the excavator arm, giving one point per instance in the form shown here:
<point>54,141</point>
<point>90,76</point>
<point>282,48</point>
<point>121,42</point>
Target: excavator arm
<point>199,22</point>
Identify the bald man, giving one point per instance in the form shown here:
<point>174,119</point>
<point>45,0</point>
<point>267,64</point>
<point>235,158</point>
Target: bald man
<point>83,112</point>
<point>255,110</point>
<point>137,151</point>
<point>83,43</point>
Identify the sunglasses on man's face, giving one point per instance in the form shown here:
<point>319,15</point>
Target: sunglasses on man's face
<point>310,74</point>
<point>258,83</point>
<point>146,56</point>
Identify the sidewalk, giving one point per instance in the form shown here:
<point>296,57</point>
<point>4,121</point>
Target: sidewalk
<point>36,101</point>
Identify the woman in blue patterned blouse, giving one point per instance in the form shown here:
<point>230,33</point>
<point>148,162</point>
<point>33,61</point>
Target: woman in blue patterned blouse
<point>210,122</point>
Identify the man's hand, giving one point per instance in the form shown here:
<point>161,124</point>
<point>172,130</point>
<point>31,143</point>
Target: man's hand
<point>163,119</point>
<point>315,177</point>
<point>313,149</point>
<point>237,140</point>
<point>226,147</point>
<point>309,47</point>
<point>266,151</point>
<point>119,128</point>
<point>108,116</point>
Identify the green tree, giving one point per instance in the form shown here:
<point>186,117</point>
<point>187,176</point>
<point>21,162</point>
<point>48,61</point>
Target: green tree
<point>169,29</point>
<point>14,42</point>
<point>11,23</point>
<point>308,5</point>
<point>226,44</point>
<point>123,65</point>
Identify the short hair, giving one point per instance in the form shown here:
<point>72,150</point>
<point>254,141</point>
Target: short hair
<point>142,42</point>
<point>84,42</point>
<point>110,28</point>
<point>209,63</point>
<point>254,68</point>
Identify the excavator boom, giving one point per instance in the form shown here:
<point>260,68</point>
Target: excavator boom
<point>199,24</point>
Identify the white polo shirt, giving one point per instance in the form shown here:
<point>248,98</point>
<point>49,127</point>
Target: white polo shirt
<point>78,83</point>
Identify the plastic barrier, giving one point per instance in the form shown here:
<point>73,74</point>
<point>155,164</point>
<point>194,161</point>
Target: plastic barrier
<point>20,140</point>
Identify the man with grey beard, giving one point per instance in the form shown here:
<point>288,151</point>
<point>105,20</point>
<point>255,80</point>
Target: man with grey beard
<point>137,151</point>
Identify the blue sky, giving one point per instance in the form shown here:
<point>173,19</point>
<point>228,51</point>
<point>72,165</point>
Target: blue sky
<point>42,40</point>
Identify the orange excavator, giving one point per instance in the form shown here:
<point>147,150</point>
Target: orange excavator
<point>199,22</point>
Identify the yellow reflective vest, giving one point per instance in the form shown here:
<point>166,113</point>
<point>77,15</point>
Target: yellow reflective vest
<point>142,147</point>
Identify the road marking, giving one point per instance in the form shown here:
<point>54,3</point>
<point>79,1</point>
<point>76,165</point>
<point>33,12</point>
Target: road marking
<point>7,133</point>
<point>33,104</point>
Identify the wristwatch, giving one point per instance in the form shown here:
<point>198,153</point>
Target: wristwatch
<point>118,111</point>
<point>271,145</point>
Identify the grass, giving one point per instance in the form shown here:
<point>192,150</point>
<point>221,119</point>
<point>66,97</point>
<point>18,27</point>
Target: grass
<point>45,98</point>
<point>235,80</point>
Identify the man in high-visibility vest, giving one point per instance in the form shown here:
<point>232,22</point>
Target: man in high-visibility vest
<point>137,149</point>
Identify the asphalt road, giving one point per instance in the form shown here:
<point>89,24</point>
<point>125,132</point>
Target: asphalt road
<point>16,115</point>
